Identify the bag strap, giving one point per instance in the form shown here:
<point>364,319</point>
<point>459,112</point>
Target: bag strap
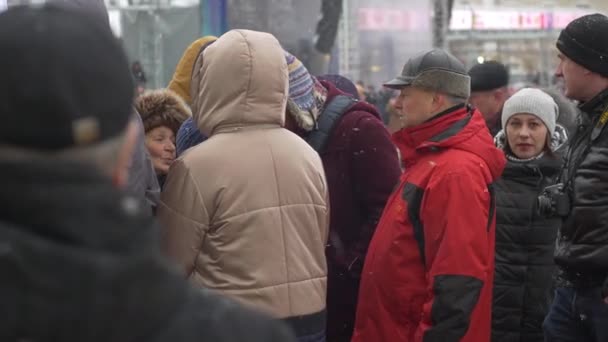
<point>328,119</point>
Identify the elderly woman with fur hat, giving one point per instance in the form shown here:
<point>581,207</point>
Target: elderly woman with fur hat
<point>162,112</point>
<point>532,141</point>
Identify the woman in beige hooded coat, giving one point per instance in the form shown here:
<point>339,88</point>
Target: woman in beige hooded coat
<point>246,213</point>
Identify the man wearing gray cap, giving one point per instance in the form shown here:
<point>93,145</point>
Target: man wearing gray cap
<point>429,270</point>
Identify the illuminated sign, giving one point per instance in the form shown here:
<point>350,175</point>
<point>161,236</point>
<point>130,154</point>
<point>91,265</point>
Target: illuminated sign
<point>387,19</point>
<point>463,19</point>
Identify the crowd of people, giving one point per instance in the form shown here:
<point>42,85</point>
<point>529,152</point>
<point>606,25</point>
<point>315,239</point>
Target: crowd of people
<point>252,201</point>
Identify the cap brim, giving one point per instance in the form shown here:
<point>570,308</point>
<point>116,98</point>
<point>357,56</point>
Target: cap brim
<point>399,83</point>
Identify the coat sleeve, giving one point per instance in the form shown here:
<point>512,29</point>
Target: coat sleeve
<point>457,245</point>
<point>376,171</point>
<point>183,217</point>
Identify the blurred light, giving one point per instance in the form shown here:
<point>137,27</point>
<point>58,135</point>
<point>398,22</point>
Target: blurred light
<point>376,68</point>
<point>481,59</point>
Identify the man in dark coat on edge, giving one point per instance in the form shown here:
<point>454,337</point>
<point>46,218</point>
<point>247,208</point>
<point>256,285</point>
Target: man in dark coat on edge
<point>362,168</point>
<point>428,275</point>
<point>80,258</point>
<point>580,308</point>
<point>142,181</point>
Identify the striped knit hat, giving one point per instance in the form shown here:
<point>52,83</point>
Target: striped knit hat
<point>301,83</point>
<point>307,95</point>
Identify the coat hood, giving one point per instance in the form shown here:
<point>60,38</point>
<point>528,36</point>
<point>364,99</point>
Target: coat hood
<point>240,81</point>
<point>180,83</point>
<point>461,127</point>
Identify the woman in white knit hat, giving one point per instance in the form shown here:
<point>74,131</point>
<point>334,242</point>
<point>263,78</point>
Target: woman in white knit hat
<point>533,142</point>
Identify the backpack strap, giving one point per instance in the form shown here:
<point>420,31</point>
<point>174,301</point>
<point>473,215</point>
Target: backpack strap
<point>328,119</point>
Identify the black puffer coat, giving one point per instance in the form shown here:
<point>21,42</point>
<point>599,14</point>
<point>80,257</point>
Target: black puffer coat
<point>80,261</point>
<point>582,251</point>
<point>525,243</point>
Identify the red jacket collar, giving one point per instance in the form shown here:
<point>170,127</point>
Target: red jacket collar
<point>422,135</point>
<point>460,128</point>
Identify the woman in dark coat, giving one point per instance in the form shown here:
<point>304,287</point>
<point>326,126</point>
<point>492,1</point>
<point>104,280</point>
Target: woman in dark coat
<point>525,240</point>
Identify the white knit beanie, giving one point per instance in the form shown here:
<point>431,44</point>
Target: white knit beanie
<point>532,101</point>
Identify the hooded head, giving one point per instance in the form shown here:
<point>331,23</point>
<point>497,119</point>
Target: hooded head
<point>180,83</point>
<point>241,80</point>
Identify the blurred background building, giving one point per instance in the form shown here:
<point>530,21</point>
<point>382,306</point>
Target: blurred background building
<point>518,33</point>
<point>374,37</point>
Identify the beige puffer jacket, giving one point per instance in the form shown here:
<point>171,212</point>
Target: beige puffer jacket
<point>246,212</point>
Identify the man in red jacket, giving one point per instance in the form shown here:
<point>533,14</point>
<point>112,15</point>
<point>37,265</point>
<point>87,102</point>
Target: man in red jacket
<point>429,268</point>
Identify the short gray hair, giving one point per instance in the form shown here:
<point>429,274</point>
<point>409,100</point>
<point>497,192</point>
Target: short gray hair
<point>103,156</point>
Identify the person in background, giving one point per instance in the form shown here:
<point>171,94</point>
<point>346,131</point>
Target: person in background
<point>362,168</point>
<point>139,76</point>
<point>188,134</point>
<point>246,213</point>
<point>579,311</point>
<point>384,97</point>
<point>342,83</point>
<point>569,114</point>
<point>162,112</point>
<point>428,273</point>
<point>533,143</point>
<point>371,95</point>
<point>489,91</point>
<point>361,91</point>
<point>80,257</point>
<point>395,119</point>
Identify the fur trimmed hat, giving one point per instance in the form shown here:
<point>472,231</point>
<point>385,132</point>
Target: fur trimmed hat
<point>162,107</point>
<point>435,70</point>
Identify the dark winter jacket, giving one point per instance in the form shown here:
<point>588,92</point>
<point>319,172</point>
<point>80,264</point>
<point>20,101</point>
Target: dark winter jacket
<point>81,262</point>
<point>362,168</point>
<point>429,270</point>
<point>582,251</point>
<point>525,242</point>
